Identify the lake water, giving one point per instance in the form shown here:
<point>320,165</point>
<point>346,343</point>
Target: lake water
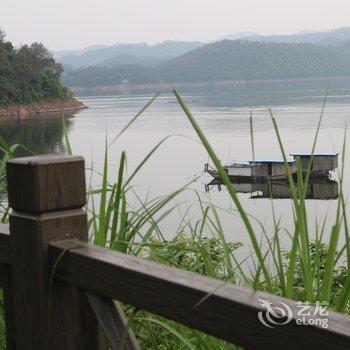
<point>223,113</point>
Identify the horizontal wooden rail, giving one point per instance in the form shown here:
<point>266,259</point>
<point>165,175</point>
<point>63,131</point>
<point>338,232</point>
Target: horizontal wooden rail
<point>230,312</point>
<point>227,311</point>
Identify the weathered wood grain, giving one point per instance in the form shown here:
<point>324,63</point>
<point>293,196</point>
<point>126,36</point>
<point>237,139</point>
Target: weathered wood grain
<point>46,195</point>
<point>5,248</point>
<point>41,184</point>
<point>6,283</point>
<point>113,322</point>
<point>230,312</point>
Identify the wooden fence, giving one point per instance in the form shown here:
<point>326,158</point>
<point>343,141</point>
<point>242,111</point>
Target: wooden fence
<point>59,291</point>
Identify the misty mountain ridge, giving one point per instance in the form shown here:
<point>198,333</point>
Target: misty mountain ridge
<point>227,60</point>
<point>91,57</point>
<point>236,36</point>
<point>128,59</point>
<point>328,37</point>
<point>58,54</point>
<point>151,55</point>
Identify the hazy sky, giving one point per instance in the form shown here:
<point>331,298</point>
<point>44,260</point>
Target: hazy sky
<point>68,24</point>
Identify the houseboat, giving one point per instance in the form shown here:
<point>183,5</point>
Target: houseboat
<point>255,170</point>
<point>274,169</point>
<point>322,163</point>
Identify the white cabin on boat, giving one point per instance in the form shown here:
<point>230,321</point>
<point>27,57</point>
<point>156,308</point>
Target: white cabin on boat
<point>261,169</point>
<point>240,170</point>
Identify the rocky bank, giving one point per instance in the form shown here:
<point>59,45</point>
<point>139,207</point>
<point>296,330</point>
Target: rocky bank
<point>53,106</point>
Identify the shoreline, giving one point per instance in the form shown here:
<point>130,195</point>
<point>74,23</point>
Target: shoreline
<point>37,109</point>
<point>133,87</point>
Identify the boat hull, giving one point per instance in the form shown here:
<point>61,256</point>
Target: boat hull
<point>242,178</point>
<point>282,177</point>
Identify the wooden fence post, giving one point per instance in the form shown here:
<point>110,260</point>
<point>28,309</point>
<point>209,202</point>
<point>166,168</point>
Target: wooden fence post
<point>46,195</point>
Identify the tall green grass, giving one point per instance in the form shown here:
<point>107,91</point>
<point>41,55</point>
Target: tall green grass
<point>310,270</point>
<point>125,220</point>
<point>315,286</point>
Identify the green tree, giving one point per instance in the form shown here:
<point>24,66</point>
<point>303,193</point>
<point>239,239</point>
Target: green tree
<point>28,73</point>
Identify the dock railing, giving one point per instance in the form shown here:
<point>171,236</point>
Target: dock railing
<point>60,292</point>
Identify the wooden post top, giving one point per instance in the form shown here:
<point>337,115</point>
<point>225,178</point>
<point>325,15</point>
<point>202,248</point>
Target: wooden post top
<point>42,184</point>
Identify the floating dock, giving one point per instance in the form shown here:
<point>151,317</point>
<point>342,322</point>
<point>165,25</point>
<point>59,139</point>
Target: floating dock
<point>258,170</point>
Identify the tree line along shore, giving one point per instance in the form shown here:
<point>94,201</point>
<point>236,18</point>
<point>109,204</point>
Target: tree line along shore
<point>30,81</point>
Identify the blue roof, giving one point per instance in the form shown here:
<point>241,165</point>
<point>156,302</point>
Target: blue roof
<point>315,154</point>
<point>266,160</point>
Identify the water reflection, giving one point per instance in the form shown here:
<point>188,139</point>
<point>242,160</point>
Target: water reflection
<point>316,189</point>
<point>223,113</point>
<point>42,135</point>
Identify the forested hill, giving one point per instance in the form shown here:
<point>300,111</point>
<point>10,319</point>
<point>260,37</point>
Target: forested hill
<point>28,74</point>
<point>227,60</point>
<point>105,56</point>
<point>231,60</point>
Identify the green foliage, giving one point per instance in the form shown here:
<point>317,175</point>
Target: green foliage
<point>190,252</point>
<point>197,255</point>
<point>96,75</point>
<point>28,73</point>
<point>318,258</point>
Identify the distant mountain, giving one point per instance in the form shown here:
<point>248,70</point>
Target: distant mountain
<point>245,60</point>
<point>330,37</point>
<point>103,76</point>
<point>59,54</point>
<point>237,36</point>
<point>227,60</point>
<point>150,55</point>
<point>308,31</point>
<point>126,58</point>
<point>96,56</point>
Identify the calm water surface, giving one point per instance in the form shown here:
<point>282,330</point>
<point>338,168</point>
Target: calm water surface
<point>223,113</point>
